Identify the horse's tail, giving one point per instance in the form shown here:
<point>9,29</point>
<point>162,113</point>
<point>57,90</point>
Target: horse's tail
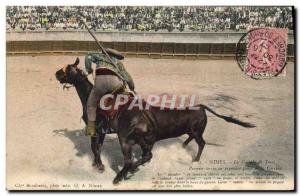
<point>229,119</point>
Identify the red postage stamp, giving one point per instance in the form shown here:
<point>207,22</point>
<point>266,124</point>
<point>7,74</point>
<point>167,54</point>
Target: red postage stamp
<point>265,52</point>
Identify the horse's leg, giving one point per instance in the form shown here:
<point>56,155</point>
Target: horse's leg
<point>96,145</point>
<point>126,147</point>
<point>100,145</point>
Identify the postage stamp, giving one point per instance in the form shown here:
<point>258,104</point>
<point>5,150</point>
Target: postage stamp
<point>262,52</point>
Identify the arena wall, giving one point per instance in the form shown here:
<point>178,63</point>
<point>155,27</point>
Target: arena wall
<point>152,44</point>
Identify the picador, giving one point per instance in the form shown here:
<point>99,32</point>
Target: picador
<point>108,79</point>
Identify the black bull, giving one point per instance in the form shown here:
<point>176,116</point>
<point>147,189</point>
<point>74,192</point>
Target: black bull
<point>142,127</point>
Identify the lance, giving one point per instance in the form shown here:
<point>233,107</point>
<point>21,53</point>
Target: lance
<point>103,49</point>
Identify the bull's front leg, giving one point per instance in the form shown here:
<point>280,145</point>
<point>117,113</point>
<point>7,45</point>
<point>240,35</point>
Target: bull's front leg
<point>146,156</point>
<point>127,153</point>
<point>96,145</point>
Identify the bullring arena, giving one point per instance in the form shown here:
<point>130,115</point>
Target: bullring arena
<point>46,144</point>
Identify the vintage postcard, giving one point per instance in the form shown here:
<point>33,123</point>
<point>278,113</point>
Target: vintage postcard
<point>150,98</point>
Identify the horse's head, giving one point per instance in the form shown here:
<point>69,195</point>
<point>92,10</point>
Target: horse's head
<point>68,73</point>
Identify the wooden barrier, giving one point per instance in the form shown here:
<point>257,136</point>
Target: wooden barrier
<point>139,49</point>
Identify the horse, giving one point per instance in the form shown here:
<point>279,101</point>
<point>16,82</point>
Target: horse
<point>70,74</point>
<point>138,126</point>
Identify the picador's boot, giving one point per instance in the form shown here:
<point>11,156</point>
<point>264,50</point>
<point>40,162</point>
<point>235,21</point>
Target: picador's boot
<point>91,128</point>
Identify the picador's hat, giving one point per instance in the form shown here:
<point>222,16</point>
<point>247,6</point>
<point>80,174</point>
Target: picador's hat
<point>114,53</point>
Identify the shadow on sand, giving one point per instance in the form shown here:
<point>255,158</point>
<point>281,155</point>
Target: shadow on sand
<point>111,147</point>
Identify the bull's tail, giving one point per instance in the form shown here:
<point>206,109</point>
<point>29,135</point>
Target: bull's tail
<point>229,119</point>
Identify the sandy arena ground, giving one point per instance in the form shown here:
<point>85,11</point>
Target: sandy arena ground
<point>45,143</point>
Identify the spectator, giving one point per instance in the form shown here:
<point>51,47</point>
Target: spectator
<point>126,18</point>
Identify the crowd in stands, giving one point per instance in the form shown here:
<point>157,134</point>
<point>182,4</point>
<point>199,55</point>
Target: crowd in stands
<point>126,18</point>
